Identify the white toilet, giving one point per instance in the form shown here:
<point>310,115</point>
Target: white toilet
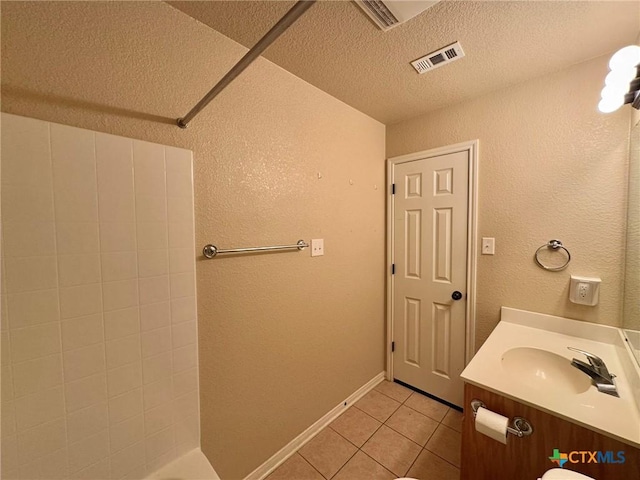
<point>553,474</point>
<point>562,474</point>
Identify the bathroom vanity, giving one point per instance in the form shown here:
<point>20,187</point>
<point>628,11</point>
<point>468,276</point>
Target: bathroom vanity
<point>524,370</point>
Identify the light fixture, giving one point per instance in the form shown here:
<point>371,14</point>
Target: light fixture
<point>622,84</point>
<point>608,105</point>
<point>625,57</point>
<point>620,76</point>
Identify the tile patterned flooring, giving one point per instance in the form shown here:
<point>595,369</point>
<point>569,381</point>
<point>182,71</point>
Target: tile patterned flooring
<point>391,432</point>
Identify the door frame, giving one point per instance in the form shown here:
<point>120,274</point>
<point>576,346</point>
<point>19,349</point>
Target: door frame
<point>471,147</point>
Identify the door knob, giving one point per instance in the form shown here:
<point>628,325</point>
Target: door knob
<point>456,295</point>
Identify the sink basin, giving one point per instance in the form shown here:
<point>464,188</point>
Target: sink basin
<point>541,369</point>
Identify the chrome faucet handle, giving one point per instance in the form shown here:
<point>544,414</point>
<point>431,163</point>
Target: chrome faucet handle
<point>594,360</point>
<point>597,370</point>
<point>597,363</point>
<point>590,371</point>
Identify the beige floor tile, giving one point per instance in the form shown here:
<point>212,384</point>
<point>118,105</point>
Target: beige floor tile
<point>392,450</point>
<point>328,452</point>
<point>363,467</point>
<point>427,406</point>
<point>356,426</point>
<point>431,467</point>
<point>445,442</point>
<point>413,425</point>
<point>295,468</point>
<point>394,390</point>
<point>377,405</point>
<point>453,419</point>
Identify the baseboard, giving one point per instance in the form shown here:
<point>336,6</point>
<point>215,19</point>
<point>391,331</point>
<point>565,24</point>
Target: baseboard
<point>285,452</point>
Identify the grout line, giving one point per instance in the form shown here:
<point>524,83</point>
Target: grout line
<point>168,259</point>
<point>301,456</point>
<point>35,255</point>
<point>438,455</point>
<point>395,399</point>
<point>414,462</point>
<point>92,465</point>
<point>57,256</point>
<point>431,418</point>
<point>135,227</point>
<point>410,439</point>
<point>394,475</point>
<point>102,310</point>
<point>434,431</point>
<point>36,358</point>
<point>359,409</point>
<point>347,461</point>
<point>442,458</point>
<point>129,445</point>
<point>343,437</point>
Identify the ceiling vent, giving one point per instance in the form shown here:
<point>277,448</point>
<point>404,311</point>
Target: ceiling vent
<point>389,13</point>
<point>436,59</point>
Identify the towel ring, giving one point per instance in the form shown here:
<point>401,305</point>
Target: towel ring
<point>554,245</point>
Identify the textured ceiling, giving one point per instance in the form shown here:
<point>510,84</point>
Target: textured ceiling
<point>335,46</point>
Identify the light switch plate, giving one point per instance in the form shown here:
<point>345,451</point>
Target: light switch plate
<point>488,246</point>
<point>317,247</point>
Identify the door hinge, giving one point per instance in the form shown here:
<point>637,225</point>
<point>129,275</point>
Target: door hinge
<point>393,347</point>
<point>393,269</point>
<point>393,189</point>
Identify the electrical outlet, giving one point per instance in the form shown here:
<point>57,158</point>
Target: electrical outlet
<point>317,247</point>
<point>584,290</point>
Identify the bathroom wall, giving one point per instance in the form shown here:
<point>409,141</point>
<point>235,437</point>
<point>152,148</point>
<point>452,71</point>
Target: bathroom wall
<point>631,302</point>
<point>283,337</point>
<point>551,167</point>
<point>99,337</point>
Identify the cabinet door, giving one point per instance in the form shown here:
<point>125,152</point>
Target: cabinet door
<point>527,458</point>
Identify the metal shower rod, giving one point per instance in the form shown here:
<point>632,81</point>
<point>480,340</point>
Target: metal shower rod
<point>278,29</point>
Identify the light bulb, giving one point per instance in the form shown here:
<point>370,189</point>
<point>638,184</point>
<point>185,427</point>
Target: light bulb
<point>621,76</point>
<point>614,91</point>
<point>608,105</point>
<point>625,57</point>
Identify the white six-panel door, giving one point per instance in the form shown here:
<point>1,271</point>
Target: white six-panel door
<point>429,253</point>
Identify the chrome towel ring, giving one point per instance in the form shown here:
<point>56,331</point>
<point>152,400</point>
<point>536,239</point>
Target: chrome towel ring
<point>553,245</point>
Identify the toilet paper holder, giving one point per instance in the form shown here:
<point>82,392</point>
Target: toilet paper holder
<point>521,426</point>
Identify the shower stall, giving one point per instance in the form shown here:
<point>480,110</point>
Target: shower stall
<point>99,331</point>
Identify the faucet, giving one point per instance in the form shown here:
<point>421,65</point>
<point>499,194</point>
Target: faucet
<point>598,372</point>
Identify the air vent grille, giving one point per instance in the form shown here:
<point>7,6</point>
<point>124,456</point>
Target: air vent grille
<point>438,58</point>
<point>380,11</point>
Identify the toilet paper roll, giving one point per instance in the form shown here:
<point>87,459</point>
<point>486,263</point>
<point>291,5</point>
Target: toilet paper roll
<point>492,424</point>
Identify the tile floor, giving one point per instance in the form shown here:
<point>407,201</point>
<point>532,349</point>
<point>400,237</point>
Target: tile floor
<point>391,432</point>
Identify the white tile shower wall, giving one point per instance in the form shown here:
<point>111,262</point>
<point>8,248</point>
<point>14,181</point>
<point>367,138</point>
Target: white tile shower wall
<point>99,339</point>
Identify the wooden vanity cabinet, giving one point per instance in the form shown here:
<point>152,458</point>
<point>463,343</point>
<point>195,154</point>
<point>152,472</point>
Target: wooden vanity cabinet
<point>527,458</point>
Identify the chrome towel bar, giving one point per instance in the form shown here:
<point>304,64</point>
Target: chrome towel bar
<point>211,251</point>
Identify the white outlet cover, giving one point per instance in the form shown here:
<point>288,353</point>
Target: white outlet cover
<point>584,290</point>
<point>317,247</point>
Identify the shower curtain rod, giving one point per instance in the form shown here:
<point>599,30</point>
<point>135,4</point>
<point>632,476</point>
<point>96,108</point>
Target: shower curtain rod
<point>278,29</point>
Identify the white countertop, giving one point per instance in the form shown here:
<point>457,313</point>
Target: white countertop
<point>612,416</point>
